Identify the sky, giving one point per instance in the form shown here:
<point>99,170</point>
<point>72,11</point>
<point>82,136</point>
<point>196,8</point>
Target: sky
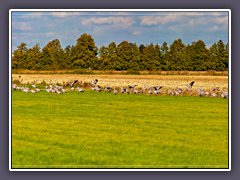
<point>141,27</point>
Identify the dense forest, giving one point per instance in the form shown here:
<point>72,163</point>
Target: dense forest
<point>123,56</point>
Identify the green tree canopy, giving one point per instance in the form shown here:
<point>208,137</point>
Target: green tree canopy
<point>124,56</point>
<point>34,58</point>
<point>84,52</point>
<point>52,55</point>
<point>177,56</point>
<point>150,59</point>
<point>219,56</point>
<point>19,57</point>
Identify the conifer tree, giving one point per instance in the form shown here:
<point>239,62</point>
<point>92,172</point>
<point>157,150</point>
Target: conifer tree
<point>19,57</point>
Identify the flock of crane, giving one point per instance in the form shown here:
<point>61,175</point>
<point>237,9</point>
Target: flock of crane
<point>130,89</point>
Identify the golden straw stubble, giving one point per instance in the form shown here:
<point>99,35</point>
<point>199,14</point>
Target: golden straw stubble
<point>167,81</point>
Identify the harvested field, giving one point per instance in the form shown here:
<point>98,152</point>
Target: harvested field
<point>167,81</point>
<point>106,72</point>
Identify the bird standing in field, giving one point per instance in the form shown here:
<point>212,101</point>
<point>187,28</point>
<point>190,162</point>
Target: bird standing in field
<point>63,90</point>
<point>107,89</point>
<point>201,92</point>
<point>179,91</point>
<point>150,91</point>
<point>224,94</point>
<point>14,86</point>
<point>135,91</point>
<point>123,89</point>
<point>171,92</point>
<point>127,91</point>
<point>94,82</point>
<point>115,91</point>
<point>80,89</point>
<point>98,88</point>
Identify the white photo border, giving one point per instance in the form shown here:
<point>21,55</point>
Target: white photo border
<point>119,10</point>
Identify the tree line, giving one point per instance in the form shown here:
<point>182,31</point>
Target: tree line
<point>123,56</point>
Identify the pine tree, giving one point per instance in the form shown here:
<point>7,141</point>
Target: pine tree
<point>150,59</point>
<point>19,57</point>
<point>68,54</point>
<point>134,63</point>
<point>34,58</point>
<point>112,56</point>
<point>164,52</point>
<point>219,56</point>
<point>104,61</point>
<point>177,56</point>
<point>199,56</point>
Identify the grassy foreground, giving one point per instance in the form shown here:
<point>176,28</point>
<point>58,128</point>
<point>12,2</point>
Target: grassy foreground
<point>102,130</point>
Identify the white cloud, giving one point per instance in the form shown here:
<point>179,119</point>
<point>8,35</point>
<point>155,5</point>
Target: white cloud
<point>123,21</point>
<point>136,33</point>
<point>213,28</point>
<point>49,34</point>
<point>189,18</point>
<point>99,30</point>
<point>190,13</point>
<point>175,28</point>
<point>197,21</point>
<point>220,20</point>
<point>65,14</point>
<point>218,27</point>
<point>155,20</point>
<point>23,26</point>
<point>28,15</point>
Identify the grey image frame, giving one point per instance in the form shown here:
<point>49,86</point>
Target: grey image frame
<point>173,169</point>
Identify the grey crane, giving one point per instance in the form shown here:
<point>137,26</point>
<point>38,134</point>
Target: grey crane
<point>96,88</point>
<point>190,85</point>
<point>171,92</point>
<point>179,90</point>
<point>157,89</point>
<point>80,89</point>
<point>132,86</point>
<point>107,89</point>
<point>115,91</point>
<point>123,89</point>
<point>201,92</point>
<point>150,91</point>
<point>216,89</point>
<point>94,82</point>
<point>224,94</point>
<point>14,86</point>
<point>71,84</point>
<point>135,91</point>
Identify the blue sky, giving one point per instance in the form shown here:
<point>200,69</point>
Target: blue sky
<point>105,27</point>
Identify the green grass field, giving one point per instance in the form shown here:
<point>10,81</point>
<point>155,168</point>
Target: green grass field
<point>102,130</point>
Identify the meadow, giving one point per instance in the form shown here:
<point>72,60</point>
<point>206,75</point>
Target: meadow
<point>102,130</point>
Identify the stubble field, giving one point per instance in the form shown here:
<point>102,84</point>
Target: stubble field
<point>167,81</point>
